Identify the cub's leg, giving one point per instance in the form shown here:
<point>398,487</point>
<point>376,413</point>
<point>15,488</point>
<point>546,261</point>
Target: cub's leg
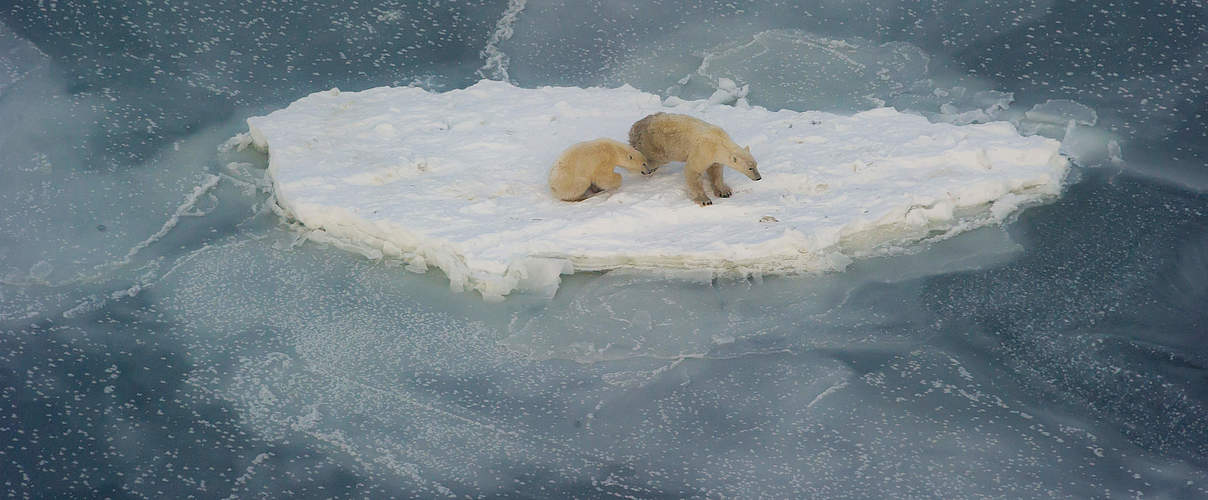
<point>590,191</point>
<point>692,173</point>
<point>569,187</point>
<point>719,186</point>
<point>608,182</point>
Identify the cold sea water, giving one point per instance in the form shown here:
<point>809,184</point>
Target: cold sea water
<point>165,334</point>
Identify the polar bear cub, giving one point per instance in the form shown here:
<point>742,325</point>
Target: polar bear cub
<point>667,137</point>
<point>586,168</point>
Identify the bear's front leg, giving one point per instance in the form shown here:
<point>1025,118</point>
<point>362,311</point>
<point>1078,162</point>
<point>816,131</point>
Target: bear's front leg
<point>719,186</point>
<point>695,190</point>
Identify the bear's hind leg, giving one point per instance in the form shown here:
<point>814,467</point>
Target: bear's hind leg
<point>715,179</point>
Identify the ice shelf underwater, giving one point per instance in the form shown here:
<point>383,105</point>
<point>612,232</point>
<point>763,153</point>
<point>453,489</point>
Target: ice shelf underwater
<point>458,180</point>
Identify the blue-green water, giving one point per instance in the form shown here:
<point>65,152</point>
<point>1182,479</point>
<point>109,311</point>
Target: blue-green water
<point>165,334</point>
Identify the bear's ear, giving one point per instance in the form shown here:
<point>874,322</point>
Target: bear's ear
<point>748,148</point>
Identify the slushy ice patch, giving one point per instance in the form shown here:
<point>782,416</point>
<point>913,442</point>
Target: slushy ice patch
<point>18,57</point>
<point>626,314</point>
<point>457,180</point>
<point>795,69</point>
<point>807,71</point>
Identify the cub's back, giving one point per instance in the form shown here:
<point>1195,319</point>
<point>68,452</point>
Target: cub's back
<point>587,154</point>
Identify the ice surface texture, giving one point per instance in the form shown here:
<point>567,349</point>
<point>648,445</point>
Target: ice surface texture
<point>457,180</point>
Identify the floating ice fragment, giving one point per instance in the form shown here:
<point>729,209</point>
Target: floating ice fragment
<point>1062,111</point>
<point>41,271</point>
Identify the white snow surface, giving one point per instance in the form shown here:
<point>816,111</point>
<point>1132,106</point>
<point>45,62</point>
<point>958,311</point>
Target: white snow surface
<point>458,180</point>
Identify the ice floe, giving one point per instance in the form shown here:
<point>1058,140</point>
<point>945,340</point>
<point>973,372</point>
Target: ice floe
<point>457,181</point>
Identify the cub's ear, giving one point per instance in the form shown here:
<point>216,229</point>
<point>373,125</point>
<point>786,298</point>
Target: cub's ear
<point>748,148</point>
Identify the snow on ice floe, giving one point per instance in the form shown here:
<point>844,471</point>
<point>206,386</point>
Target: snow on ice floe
<point>457,180</point>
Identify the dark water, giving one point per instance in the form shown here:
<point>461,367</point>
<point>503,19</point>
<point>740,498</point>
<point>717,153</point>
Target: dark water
<point>166,335</point>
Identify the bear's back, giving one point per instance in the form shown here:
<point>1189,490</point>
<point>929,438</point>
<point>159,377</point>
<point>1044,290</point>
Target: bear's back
<point>666,137</point>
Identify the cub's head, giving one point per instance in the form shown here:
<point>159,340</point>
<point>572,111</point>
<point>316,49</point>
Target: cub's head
<point>635,162</point>
<point>742,161</point>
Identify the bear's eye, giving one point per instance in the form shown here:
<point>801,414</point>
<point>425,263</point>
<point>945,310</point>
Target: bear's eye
<point>630,157</point>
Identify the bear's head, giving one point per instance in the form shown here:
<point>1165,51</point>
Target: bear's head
<point>742,161</point>
<point>634,161</point>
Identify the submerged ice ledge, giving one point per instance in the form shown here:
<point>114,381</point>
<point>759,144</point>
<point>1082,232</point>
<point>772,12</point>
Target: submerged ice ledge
<point>457,180</point>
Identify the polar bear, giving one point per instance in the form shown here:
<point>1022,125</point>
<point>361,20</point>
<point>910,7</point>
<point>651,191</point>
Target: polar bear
<point>667,137</point>
<point>586,168</point>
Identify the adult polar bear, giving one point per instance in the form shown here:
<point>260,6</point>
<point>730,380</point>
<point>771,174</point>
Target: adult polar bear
<point>667,137</point>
